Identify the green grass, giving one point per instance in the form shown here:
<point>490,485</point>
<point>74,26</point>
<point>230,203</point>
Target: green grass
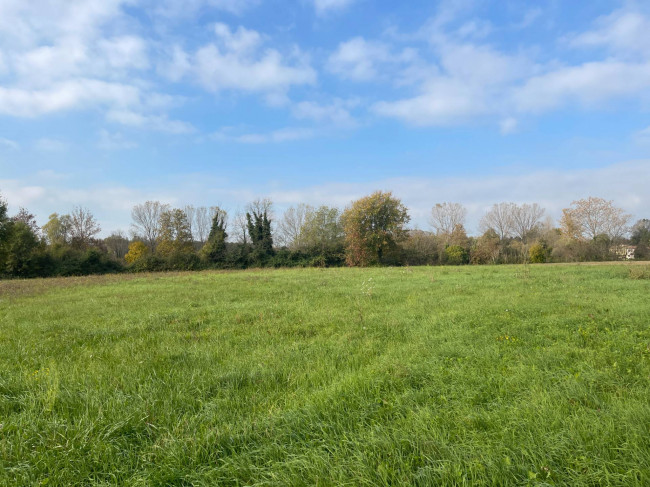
<point>505,375</point>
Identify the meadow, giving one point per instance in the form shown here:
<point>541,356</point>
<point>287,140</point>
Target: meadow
<point>482,375</point>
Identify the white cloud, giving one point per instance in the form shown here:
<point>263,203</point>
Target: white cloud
<point>477,81</point>
<point>327,6</point>
<point>282,135</point>
<point>114,141</point>
<point>508,125</point>
<point>362,60</point>
<point>74,94</point>
<point>158,123</point>
<point>238,62</point>
<point>588,84</point>
<point>175,9</point>
<point>337,112</point>
<point>624,31</point>
<point>624,183</point>
<point>50,145</point>
<point>7,143</point>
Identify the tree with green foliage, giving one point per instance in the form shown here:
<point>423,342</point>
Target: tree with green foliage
<point>4,230</point>
<point>373,225</point>
<point>322,231</point>
<point>214,250</point>
<point>57,229</point>
<point>175,236</point>
<point>258,223</point>
<point>456,255</point>
<point>539,253</point>
<point>20,249</point>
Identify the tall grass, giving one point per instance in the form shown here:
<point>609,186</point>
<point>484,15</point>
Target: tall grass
<point>502,375</point>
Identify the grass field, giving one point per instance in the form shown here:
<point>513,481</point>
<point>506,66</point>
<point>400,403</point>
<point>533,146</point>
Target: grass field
<point>492,375</point>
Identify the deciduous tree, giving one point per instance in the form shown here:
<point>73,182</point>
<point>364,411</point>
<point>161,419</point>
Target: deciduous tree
<point>525,219</point>
<point>146,221</point>
<point>83,226</point>
<point>588,218</point>
<point>373,225</point>
<point>445,217</point>
<point>500,218</point>
<point>289,227</point>
<point>175,236</point>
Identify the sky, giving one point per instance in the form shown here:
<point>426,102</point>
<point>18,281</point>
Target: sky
<point>109,103</point>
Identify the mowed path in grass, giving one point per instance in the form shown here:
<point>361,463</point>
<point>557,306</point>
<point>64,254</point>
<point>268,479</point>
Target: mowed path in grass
<point>494,375</point>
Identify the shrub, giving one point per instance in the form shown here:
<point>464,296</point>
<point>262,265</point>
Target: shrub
<point>456,255</point>
<point>539,253</point>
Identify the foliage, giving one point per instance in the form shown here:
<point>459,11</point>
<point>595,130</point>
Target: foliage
<point>539,253</point>
<point>456,255</point>
<point>486,248</point>
<point>421,248</point>
<point>640,233</point>
<point>214,251</point>
<point>19,250</point>
<point>137,252</point>
<point>259,229</point>
<point>588,218</point>
<point>372,226</point>
<point>82,227</point>
<point>57,229</point>
<point>175,236</point>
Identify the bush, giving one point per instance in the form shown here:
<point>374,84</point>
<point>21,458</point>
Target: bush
<point>456,255</point>
<point>640,272</point>
<point>539,253</point>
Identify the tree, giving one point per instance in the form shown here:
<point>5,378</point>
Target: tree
<point>445,217</point>
<point>373,225</point>
<point>258,224</point>
<point>117,244</point>
<point>456,255</point>
<point>146,221</point>
<point>28,219</point>
<point>215,248</point>
<point>486,249</point>
<point>190,213</point>
<point>19,250</point>
<point>83,226</point>
<point>202,221</point>
<point>500,218</point>
<point>175,236</point>
<point>525,219</point>
<point>57,229</point>
<point>4,229</point>
<point>539,253</point>
<point>641,232</point>
<point>322,231</point>
<point>588,218</point>
<point>290,226</point>
<point>137,251</point>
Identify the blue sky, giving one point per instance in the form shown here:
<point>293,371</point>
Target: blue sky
<point>108,103</point>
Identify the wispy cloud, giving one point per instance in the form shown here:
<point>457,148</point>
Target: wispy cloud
<point>10,144</point>
<point>275,136</point>
<point>625,183</point>
<point>327,6</point>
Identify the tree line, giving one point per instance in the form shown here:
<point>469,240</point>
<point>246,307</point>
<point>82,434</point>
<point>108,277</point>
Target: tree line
<point>372,230</point>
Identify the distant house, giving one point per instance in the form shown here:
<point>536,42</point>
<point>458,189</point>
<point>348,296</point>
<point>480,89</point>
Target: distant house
<point>625,251</point>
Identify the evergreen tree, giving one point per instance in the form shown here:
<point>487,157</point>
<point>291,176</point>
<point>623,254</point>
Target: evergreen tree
<point>259,229</point>
<point>215,248</point>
